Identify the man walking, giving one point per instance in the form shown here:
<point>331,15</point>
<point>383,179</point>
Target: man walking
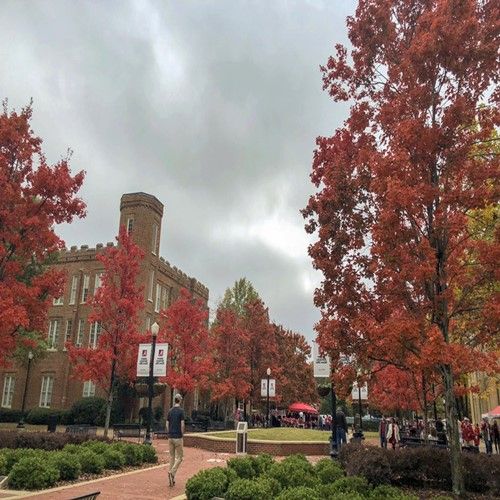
<point>175,429</point>
<point>341,428</point>
<point>382,432</point>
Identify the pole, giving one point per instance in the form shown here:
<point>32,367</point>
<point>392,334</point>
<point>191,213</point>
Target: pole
<point>434,404</point>
<point>20,425</point>
<point>267,417</point>
<point>360,410</point>
<point>147,439</point>
<point>333,438</point>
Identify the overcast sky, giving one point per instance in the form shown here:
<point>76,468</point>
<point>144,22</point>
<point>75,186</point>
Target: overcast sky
<point>211,106</point>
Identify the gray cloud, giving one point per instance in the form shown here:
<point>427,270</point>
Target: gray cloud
<point>212,106</point>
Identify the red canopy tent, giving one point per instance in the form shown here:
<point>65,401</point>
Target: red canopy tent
<point>494,413</point>
<point>304,408</point>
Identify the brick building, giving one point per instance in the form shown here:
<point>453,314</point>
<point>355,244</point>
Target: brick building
<point>50,383</point>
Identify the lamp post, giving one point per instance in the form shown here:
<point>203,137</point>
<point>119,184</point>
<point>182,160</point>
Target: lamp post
<point>268,371</point>
<point>333,439</point>
<point>360,413</point>
<point>20,425</point>
<point>155,328</point>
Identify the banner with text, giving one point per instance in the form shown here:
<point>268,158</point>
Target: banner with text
<point>355,393</point>
<point>160,361</point>
<point>321,363</point>
<point>272,387</point>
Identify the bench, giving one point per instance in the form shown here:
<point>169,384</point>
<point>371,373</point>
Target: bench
<point>89,496</point>
<point>88,430</point>
<point>159,431</point>
<point>127,430</point>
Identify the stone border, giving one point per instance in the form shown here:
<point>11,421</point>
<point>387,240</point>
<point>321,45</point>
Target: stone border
<point>254,446</point>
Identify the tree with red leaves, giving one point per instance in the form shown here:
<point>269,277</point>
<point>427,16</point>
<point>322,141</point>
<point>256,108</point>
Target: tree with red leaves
<point>296,379</point>
<point>116,306</point>
<point>184,327</point>
<point>397,184</point>
<point>231,379</point>
<point>34,196</point>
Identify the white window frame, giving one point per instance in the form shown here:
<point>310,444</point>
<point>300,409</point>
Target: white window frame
<point>151,285</point>
<point>154,243</point>
<point>85,288</point>
<point>68,332</point>
<point>53,336</point>
<point>148,323</point>
<point>164,297</point>
<point>158,297</point>
<point>73,290</point>
<point>80,333</point>
<point>58,301</point>
<point>98,281</point>
<point>9,383</point>
<point>95,333</point>
<point>88,389</point>
<point>46,390</point>
<point>130,224</point>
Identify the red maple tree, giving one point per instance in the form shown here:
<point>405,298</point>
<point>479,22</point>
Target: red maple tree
<point>34,196</point>
<point>184,327</point>
<point>231,379</point>
<point>397,183</point>
<point>116,306</point>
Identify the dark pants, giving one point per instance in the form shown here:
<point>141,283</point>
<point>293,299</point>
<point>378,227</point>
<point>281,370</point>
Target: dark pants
<point>341,437</point>
<point>383,442</point>
<point>489,446</point>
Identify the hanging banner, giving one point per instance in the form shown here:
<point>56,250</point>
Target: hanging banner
<point>355,393</point>
<point>321,364</point>
<point>272,387</point>
<point>160,361</point>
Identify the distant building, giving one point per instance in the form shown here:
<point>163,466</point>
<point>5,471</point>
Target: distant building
<point>51,382</point>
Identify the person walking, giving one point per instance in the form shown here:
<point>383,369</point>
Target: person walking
<point>341,427</point>
<point>175,429</point>
<point>393,433</point>
<point>382,432</point>
<point>496,436</point>
<point>487,435</point>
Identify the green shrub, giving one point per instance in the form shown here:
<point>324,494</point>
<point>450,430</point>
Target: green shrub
<point>293,472</point>
<point>67,464</point>
<point>207,484</point>
<point>8,415</point>
<point>3,465</point>
<point>91,462</point>
<point>149,455</point>
<point>12,457</point>
<point>372,465</point>
<point>41,416</point>
<point>261,463</point>
<point>328,471</point>
<point>390,492</point>
<point>96,446</point>
<point>72,448</point>
<point>442,497</point>
<point>352,484</point>
<point>245,489</point>
<point>87,411</point>
<point>243,466</point>
<point>270,487</point>
<point>132,453</point>
<point>113,459</point>
<point>33,473</point>
<point>42,440</point>
<point>347,450</point>
<point>299,493</point>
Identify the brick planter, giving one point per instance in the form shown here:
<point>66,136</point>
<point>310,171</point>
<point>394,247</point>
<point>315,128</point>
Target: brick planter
<point>275,448</point>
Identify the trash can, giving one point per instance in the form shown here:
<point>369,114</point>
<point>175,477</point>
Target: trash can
<point>241,437</point>
<point>52,424</point>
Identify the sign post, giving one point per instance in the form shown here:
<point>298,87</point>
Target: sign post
<point>322,365</point>
<point>144,359</point>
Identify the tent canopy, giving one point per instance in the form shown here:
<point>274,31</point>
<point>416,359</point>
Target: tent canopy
<point>494,413</point>
<point>303,408</point>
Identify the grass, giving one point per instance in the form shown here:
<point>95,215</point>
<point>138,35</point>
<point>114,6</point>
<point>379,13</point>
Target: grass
<point>284,434</point>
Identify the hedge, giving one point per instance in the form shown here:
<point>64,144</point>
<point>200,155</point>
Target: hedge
<point>41,416</point>
<point>42,440</point>
<point>8,415</point>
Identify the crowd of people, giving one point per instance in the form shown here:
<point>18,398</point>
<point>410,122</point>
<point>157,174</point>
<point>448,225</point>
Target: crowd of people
<point>489,433</point>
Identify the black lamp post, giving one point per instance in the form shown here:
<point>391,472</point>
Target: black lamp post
<point>360,413</point>
<point>268,371</point>
<point>20,425</point>
<point>333,439</point>
<point>155,328</point>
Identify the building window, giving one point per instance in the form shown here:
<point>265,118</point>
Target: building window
<point>74,287</point>
<point>53,334</point>
<point>148,323</point>
<point>154,243</point>
<point>164,297</point>
<point>158,297</point>
<point>130,225</point>
<point>85,290</point>
<point>151,285</point>
<point>68,333</point>
<point>88,389</point>
<point>81,330</point>
<point>46,391</point>
<point>98,280</point>
<point>8,391</point>
<point>95,333</point>
<point>58,301</point>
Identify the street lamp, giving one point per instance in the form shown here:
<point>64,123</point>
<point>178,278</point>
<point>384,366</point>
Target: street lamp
<point>20,425</point>
<point>155,328</point>
<point>333,439</point>
<point>268,371</point>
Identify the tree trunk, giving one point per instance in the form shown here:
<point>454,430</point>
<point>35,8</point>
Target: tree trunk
<point>452,430</point>
<point>110,398</point>
<point>424,399</point>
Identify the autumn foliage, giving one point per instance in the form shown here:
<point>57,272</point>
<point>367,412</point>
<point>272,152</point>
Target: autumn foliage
<point>34,196</point>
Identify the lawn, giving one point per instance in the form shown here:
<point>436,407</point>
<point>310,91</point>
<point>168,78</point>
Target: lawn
<point>283,434</point>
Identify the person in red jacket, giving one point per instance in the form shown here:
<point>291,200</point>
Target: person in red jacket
<point>477,435</point>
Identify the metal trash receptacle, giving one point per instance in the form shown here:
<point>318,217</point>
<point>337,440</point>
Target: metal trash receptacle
<point>241,437</point>
<point>52,423</point>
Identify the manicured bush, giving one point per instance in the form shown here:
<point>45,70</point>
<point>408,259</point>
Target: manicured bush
<point>293,472</point>
<point>87,411</point>
<point>41,416</point>
<point>13,456</point>
<point>245,489</point>
<point>8,415</point>
<point>72,448</point>
<point>244,467</point>
<point>270,487</point>
<point>67,464</point>
<point>113,459</point>
<point>352,484</point>
<point>347,450</point>
<point>299,493</point>
<point>385,491</point>
<point>373,466</point>
<point>149,455</point>
<point>33,473</point>
<point>327,492</point>
<point>132,453</point>
<point>207,484</point>
<point>261,463</point>
<point>91,462</point>
<point>3,465</point>
<point>96,446</point>
<point>328,471</point>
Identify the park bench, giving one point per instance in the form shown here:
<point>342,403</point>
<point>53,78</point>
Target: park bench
<point>199,425</point>
<point>89,496</point>
<point>159,430</point>
<point>88,430</point>
<point>127,430</point>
